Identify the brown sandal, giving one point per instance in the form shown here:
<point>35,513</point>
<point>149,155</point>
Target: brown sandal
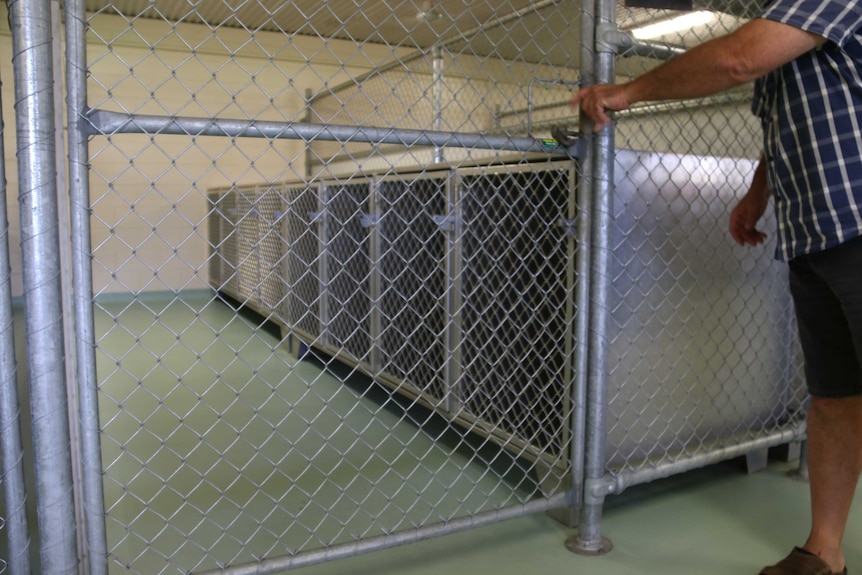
<point>800,562</point>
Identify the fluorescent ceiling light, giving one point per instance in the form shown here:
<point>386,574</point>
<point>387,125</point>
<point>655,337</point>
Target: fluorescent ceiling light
<point>684,22</point>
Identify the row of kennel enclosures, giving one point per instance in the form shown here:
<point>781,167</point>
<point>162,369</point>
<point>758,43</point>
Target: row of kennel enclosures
<point>443,284</point>
<point>457,287</point>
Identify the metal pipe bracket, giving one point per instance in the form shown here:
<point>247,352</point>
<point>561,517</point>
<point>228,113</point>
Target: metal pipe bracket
<point>610,39</point>
<point>596,490</point>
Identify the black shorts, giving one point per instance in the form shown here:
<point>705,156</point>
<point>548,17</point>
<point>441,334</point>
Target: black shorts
<point>827,292</point>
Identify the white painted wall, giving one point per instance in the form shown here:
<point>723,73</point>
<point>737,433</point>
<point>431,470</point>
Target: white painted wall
<point>149,224</point>
<point>148,194</point>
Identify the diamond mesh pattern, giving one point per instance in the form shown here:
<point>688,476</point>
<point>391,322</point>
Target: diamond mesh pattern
<point>514,288</point>
<point>303,274</point>
<point>421,365</point>
<point>270,208</point>
<point>413,282</point>
<point>347,286</point>
<point>703,350</point>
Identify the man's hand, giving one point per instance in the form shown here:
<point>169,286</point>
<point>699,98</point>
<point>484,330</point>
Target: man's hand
<point>746,214</point>
<point>596,101</point>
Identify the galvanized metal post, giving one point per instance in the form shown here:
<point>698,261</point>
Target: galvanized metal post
<point>82,278</point>
<point>33,63</point>
<point>375,281</point>
<point>438,100</point>
<point>309,153</point>
<point>582,295</point>
<point>454,295</point>
<point>66,270</point>
<point>584,234</point>
<point>11,450</point>
<point>589,539</point>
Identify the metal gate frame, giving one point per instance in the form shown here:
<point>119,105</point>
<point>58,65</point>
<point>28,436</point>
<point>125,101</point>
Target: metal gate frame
<point>56,493</point>
<point>599,480</point>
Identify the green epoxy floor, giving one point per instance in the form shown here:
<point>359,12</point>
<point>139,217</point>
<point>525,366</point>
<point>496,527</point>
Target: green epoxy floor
<point>370,466</point>
<point>220,447</point>
<point>716,521</point>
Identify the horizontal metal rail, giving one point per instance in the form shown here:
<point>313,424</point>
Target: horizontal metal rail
<point>109,123</point>
<point>735,97</point>
<point>446,43</point>
<point>616,483</point>
<point>395,539</point>
<point>648,49</point>
<point>612,40</point>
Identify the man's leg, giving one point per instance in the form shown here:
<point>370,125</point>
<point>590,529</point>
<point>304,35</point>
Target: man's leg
<point>834,465</point>
<point>827,293</point>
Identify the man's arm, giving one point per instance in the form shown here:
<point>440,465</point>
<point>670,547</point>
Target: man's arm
<point>756,48</point>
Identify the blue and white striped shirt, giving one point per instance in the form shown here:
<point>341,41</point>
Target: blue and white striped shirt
<point>811,112</point>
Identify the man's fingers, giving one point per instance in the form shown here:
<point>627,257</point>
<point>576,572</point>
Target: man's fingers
<point>752,238</point>
<point>592,105</point>
<point>743,231</point>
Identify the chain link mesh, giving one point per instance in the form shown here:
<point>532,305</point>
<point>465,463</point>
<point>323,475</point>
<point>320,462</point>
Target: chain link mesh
<point>704,352</point>
<point>307,344</point>
<point>303,344</point>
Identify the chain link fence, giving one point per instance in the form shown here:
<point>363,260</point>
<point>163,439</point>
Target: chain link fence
<point>334,278</point>
<point>361,337</point>
<point>703,353</point>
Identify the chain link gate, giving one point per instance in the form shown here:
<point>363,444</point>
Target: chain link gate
<point>336,290</point>
<point>696,349</point>
<point>369,330</point>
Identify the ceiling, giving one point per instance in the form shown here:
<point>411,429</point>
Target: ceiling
<point>540,24</point>
<point>418,23</point>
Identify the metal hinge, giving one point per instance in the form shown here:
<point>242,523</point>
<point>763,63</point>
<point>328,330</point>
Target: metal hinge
<point>610,39</point>
<point>369,220</point>
<point>445,223</point>
<point>568,225</point>
<point>315,217</point>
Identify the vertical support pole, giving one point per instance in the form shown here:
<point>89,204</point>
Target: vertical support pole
<point>322,219</point>
<point>11,447</point>
<point>375,281</point>
<point>583,215</point>
<point>454,294</point>
<point>66,272</point>
<point>308,119</point>
<point>438,100</point>
<point>82,278</point>
<point>33,63</point>
<point>589,539</point>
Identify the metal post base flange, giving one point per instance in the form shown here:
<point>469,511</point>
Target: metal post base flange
<point>575,545</point>
<point>798,475</point>
<point>801,473</point>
